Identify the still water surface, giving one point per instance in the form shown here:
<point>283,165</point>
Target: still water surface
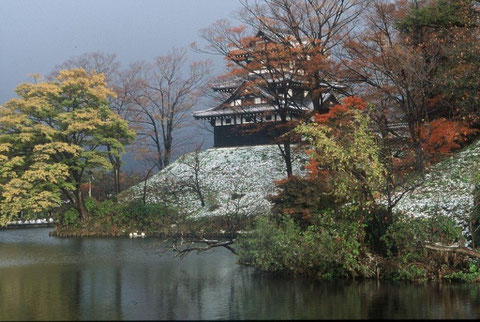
<point>46,278</point>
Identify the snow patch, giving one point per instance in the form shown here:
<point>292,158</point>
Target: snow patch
<point>230,179</point>
<point>448,187</point>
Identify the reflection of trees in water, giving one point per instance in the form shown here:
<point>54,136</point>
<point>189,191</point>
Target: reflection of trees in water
<point>119,279</point>
<point>199,289</point>
<point>299,299</point>
<point>38,292</point>
<point>424,301</point>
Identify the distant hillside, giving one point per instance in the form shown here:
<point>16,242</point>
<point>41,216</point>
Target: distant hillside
<point>230,178</point>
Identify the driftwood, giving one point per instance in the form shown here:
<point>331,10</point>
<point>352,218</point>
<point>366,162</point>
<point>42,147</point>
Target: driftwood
<point>207,244</point>
<point>453,249</point>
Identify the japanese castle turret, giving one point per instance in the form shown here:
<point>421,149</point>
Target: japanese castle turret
<point>246,117</point>
<point>259,104</point>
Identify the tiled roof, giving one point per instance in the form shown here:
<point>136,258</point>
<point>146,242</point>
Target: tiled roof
<point>213,112</point>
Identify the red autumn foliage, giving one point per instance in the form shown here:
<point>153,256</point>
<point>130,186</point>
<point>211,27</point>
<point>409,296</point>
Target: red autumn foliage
<point>441,137</point>
<point>300,198</point>
<point>312,166</point>
<point>348,103</point>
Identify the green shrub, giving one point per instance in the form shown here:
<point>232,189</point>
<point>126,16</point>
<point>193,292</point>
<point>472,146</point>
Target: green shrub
<point>330,247</point>
<point>410,272</point>
<point>70,217</point>
<point>376,225</point>
<point>405,237</point>
<point>144,215</point>
<point>91,205</point>
<point>470,275</point>
<point>107,208</point>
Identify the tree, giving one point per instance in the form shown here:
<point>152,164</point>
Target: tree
<point>161,97</point>
<point>345,149</point>
<point>50,136</point>
<point>284,43</point>
<point>108,65</point>
<point>449,30</point>
<point>415,58</point>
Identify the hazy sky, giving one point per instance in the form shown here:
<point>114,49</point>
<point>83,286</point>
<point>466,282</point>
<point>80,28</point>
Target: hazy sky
<point>36,35</point>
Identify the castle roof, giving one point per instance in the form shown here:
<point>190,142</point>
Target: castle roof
<point>220,111</point>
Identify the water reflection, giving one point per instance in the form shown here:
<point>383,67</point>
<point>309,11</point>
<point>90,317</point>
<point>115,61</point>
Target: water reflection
<point>44,278</point>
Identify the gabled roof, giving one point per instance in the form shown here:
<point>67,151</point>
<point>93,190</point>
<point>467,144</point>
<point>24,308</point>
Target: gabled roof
<point>236,110</point>
<point>222,110</point>
<point>228,84</point>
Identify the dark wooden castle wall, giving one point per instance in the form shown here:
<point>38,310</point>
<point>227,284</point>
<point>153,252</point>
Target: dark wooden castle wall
<point>237,135</point>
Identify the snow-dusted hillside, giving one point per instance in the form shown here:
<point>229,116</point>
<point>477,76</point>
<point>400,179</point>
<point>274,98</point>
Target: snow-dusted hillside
<point>242,178</point>
<point>447,188</point>
<point>230,179</point>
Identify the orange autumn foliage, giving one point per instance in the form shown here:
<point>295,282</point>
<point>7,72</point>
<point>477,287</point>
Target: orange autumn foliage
<point>348,103</point>
<point>442,136</point>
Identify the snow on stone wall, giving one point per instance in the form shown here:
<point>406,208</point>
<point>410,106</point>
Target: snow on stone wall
<point>447,188</point>
<point>244,177</point>
<point>240,177</point>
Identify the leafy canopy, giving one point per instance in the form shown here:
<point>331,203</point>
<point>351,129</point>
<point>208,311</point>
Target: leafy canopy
<point>344,150</point>
<point>50,136</point>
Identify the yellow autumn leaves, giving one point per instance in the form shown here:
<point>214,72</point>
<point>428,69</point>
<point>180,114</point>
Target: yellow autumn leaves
<point>50,135</point>
<point>346,148</point>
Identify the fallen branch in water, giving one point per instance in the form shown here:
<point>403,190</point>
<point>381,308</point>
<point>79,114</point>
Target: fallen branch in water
<point>453,249</point>
<point>208,244</point>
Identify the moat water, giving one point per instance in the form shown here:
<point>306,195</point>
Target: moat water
<point>47,278</point>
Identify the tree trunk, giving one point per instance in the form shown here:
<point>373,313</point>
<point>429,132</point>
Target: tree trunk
<point>286,151</point>
<point>419,157</point>
<point>453,249</point>
<point>168,153</point>
<point>288,158</point>
<point>80,204</point>
<point>116,164</point>
<point>116,174</point>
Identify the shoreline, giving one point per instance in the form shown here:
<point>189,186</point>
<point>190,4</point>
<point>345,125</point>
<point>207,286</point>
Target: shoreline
<point>25,226</point>
<point>83,234</point>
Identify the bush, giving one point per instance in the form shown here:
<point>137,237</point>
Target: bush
<point>404,238</point>
<point>376,225</point>
<point>330,247</point>
<point>301,198</point>
<point>470,275</point>
<point>70,217</point>
<point>408,257</point>
<point>145,215</point>
<point>115,218</point>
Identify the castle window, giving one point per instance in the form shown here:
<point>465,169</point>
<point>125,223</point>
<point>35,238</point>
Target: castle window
<point>236,102</point>
<point>228,121</point>
<point>268,118</point>
<point>260,100</point>
<point>248,119</point>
